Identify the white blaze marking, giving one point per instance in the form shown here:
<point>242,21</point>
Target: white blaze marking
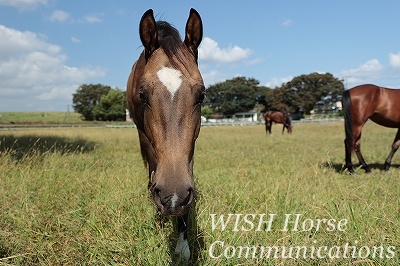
<point>171,78</point>
<point>173,200</point>
<point>182,247</point>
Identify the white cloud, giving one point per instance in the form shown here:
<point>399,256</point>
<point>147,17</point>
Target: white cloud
<point>59,15</point>
<point>62,16</point>
<point>394,59</point>
<point>34,74</point>
<point>23,4</point>
<point>75,40</point>
<point>255,61</point>
<point>14,42</point>
<point>92,19</point>
<point>209,51</point>
<point>212,77</point>
<point>367,72</point>
<point>286,22</point>
<point>121,11</point>
<point>277,82</point>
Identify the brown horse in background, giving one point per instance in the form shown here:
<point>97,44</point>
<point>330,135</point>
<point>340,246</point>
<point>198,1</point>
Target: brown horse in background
<point>164,94</point>
<point>278,117</point>
<point>381,105</point>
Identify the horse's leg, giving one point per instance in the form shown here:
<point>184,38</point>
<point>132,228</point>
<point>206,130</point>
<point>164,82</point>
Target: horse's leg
<point>348,144</point>
<point>395,146</point>
<point>286,125</point>
<point>268,126</point>
<point>353,143</point>
<point>182,247</point>
<point>357,148</point>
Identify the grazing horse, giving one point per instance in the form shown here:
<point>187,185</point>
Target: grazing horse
<point>277,117</point>
<point>381,105</point>
<point>164,94</point>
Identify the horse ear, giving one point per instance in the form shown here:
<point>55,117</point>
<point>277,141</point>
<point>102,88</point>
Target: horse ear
<point>148,33</point>
<point>194,31</point>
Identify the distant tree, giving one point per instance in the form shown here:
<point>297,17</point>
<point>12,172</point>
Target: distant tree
<point>303,92</point>
<point>261,94</point>
<point>112,107</point>
<point>206,111</point>
<point>275,100</point>
<point>87,97</point>
<point>232,96</point>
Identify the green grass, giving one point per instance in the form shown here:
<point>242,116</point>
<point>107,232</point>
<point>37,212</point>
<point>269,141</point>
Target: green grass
<point>79,196</point>
<point>39,117</point>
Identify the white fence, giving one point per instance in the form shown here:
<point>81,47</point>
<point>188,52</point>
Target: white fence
<point>231,122</point>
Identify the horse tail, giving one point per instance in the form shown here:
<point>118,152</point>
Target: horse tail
<point>348,120</point>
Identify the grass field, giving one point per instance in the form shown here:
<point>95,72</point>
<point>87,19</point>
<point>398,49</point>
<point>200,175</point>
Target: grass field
<point>79,197</point>
<point>39,117</point>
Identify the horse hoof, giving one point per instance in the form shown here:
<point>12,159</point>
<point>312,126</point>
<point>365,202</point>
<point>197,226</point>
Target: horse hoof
<point>386,167</point>
<point>348,168</point>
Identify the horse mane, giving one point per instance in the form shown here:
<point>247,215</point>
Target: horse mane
<point>170,41</point>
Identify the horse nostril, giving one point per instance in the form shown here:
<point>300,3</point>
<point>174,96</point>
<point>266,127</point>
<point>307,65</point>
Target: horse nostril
<point>157,195</point>
<point>189,197</point>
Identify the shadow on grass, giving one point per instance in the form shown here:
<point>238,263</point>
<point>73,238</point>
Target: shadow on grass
<point>339,167</point>
<point>19,147</point>
<point>4,251</point>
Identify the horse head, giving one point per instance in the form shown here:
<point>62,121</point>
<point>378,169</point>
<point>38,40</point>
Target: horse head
<point>164,93</point>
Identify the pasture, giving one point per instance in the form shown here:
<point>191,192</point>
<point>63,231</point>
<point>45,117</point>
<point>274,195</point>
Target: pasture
<point>41,118</point>
<point>79,197</point>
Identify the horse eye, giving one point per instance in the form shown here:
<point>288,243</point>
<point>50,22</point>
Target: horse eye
<point>143,96</point>
<point>202,95</point>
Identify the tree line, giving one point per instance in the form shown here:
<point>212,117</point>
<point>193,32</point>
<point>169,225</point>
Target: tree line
<point>300,94</point>
<point>240,94</point>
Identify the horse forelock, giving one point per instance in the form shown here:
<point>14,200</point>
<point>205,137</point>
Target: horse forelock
<point>170,41</point>
<point>167,30</point>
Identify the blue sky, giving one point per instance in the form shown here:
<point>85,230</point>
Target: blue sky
<point>48,48</point>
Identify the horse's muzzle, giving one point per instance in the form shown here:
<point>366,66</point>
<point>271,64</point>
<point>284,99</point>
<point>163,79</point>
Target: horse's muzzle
<point>174,204</point>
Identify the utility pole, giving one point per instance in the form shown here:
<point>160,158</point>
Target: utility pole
<point>67,114</point>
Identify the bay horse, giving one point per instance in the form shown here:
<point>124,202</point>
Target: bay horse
<point>278,117</point>
<point>164,94</point>
<point>382,106</point>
